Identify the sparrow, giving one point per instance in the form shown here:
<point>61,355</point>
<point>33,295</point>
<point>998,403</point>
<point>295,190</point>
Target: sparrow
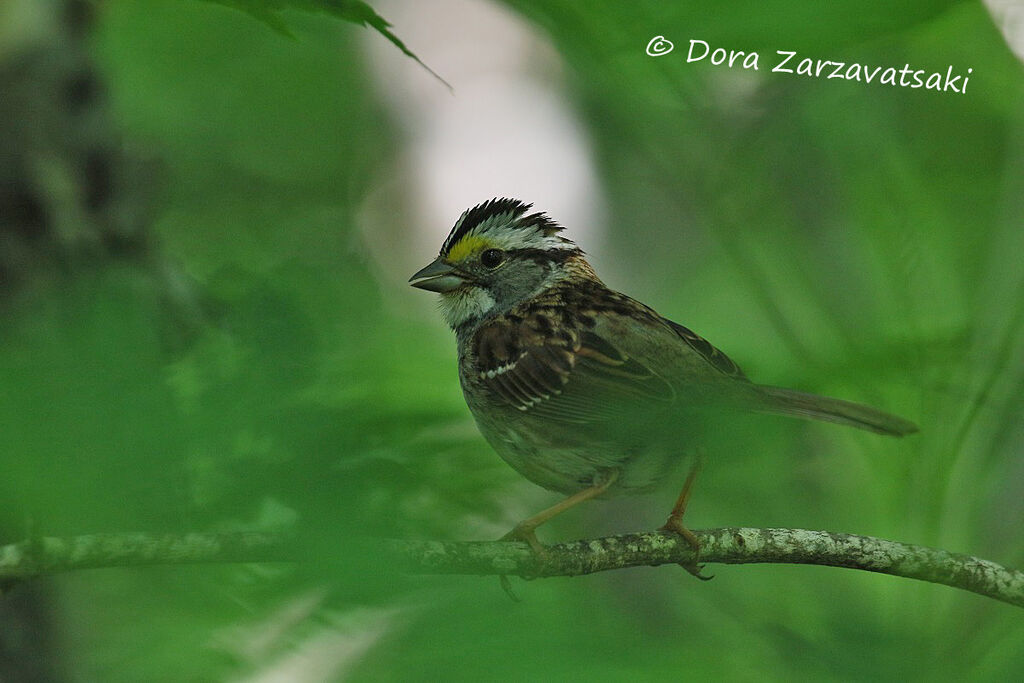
<point>580,388</point>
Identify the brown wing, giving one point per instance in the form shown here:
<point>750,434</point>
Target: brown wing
<point>567,374</point>
<point>716,358</point>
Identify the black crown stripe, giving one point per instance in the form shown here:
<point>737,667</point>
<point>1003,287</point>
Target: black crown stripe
<point>480,213</point>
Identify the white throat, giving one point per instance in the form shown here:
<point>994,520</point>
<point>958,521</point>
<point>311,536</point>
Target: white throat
<point>465,303</point>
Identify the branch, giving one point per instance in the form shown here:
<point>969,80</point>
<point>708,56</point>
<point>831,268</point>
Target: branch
<point>735,545</point>
<point>728,545</point>
<point>41,556</point>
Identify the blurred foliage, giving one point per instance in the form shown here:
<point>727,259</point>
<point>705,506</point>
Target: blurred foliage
<point>355,11</point>
<point>847,239</point>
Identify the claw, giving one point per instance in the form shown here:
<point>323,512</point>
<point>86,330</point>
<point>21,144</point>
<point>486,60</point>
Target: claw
<point>696,570</point>
<point>527,534</point>
<point>675,524</point>
<point>506,586</point>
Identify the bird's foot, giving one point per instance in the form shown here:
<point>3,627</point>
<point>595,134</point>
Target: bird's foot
<point>675,524</point>
<point>528,534</point>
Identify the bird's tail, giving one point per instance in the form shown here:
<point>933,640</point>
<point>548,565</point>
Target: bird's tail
<point>813,407</point>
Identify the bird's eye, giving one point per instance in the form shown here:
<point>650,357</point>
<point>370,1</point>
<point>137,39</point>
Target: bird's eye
<point>492,258</point>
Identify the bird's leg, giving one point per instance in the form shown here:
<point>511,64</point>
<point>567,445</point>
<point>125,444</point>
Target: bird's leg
<point>675,520</point>
<point>524,531</point>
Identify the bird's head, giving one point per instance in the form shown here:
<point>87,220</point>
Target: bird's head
<point>496,257</point>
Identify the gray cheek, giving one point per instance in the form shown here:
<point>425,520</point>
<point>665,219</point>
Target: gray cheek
<point>518,282</point>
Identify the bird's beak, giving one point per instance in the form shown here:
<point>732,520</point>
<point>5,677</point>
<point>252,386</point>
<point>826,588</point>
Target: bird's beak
<point>437,277</point>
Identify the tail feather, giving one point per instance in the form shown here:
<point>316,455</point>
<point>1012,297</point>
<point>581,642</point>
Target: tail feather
<point>813,407</point>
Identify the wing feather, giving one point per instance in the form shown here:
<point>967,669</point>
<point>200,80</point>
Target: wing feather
<point>716,358</point>
<point>572,375</point>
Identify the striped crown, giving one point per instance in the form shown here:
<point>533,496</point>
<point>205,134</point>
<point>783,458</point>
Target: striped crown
<point>504,215</point>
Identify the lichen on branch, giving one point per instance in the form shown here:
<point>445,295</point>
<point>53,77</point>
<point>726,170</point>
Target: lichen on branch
<point>730,545</point>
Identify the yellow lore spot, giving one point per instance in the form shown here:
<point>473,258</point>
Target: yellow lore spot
<point>466,247</point>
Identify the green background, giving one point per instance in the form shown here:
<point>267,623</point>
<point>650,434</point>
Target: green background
<point>854,240</point>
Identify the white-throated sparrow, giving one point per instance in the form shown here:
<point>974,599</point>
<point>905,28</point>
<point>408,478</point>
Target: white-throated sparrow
<point>570,381</point>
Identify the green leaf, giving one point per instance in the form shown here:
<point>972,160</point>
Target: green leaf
<point>353,11</point>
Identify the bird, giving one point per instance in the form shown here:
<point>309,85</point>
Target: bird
<point>573,383</point>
